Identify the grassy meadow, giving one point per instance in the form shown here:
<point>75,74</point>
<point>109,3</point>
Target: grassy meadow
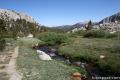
<point>34,69</point>
<point>90,50</point>
<point>76,46</point>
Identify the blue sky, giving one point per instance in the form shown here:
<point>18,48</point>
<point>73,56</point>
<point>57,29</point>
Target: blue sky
<point>63,12</point>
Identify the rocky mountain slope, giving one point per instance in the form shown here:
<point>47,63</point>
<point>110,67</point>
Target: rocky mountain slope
<point>74,27</point>
<point>111,23</point>
<point>13,24</point>
<point>66,28</point>
<point>13,15</point>
<point>111,19</point>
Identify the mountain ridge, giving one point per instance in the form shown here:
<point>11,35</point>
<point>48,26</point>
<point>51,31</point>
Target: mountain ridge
<point>110,22</point>
<point>112,18</point>
<point>11,14</point>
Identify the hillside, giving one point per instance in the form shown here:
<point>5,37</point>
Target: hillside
<point>110,19</point>
<point>110,23</point>
<point>8,15</point>
<point>18,24</point>
<point>66,28</point>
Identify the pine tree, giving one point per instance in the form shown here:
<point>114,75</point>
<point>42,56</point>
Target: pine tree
<point>89,25</point>
<point>2,34</point>
<point>2,28</point>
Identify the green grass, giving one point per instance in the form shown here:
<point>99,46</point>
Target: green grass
<point>90,49</point>
<point>52,38</point>
<point>80,46</point>
<point>35,69</point>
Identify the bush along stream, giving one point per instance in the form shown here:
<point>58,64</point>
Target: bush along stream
<point>80,64</point>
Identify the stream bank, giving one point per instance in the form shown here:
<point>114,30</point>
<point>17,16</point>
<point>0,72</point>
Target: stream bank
<point>91,70</point>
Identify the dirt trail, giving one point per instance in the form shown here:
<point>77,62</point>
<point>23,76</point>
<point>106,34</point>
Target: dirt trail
<point>11,67</point>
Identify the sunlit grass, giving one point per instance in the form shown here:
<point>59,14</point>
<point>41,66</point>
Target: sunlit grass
<point>90,50</point>
<point>35,69</point>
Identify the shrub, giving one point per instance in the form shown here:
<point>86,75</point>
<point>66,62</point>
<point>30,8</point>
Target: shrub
<point>77,33</point>
<point>118,34</point>
<point>72,35</point>
<point>116,48</point>
<point>113,35</point>
<point>80,32</point>
<point>94,34</point>
<point>52,38</point>
<point>100,34</point>
<point>110,65</point>
<point>109,35</point>
<point>2,44</point>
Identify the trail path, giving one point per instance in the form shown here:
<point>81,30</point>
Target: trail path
<point>11,67</point>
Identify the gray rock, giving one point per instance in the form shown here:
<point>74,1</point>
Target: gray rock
<point>10,14</point>
<point>43,55</point>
